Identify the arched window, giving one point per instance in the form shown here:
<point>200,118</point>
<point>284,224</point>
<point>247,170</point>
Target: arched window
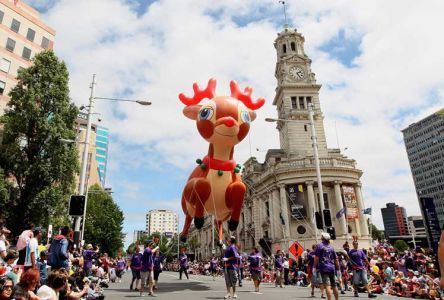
<point>293,46</point>
<point>284,48</point>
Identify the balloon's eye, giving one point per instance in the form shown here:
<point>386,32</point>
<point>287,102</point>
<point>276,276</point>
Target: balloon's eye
<point>206,113</point>
<point>245,116</point>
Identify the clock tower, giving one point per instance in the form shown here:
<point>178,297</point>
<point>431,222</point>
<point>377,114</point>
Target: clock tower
<point>296,91</point>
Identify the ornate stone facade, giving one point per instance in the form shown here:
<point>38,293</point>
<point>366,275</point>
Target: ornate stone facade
<point>282,196</point>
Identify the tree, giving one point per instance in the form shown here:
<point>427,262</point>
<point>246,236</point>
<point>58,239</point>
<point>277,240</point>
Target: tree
<point>39,169</point>
<point>104,221</point>
<point>400,245</point>
<point>376,233</point>
<point>167,247</point>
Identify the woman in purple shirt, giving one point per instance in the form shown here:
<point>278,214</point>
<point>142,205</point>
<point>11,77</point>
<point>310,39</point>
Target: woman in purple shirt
<point>183,262</point>
<point>136,266</point>
<point>279,268</point>
<point>255,262</point>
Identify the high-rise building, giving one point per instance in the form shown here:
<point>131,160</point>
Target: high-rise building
<point>22,35</point>
<point>102,151</point>
<point>395,221</point>
<point>161,221</point>
<point>416,226</point>
<point>92,166</point>
<point>138,234</point>
<point>282,202</point>
<point>424,142</point>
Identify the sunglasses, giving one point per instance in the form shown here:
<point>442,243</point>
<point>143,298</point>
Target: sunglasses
<point>8,287</point>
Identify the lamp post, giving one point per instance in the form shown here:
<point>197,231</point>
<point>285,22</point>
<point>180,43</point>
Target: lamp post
<point>316,157</point>
<point>82,177</point>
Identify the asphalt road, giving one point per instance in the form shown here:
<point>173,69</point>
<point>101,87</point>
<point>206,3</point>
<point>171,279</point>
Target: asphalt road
<point>203,287</point>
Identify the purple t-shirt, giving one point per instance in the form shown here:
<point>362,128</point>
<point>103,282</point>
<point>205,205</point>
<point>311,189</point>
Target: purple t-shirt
<point>279,262</point>
<point>136,261</point>
<point>157,261</point>
<point>357,259</point>
<point>121,264</point>
<point>232,255</point>
<point>327,256</point>
<point>87,258</point>
<point>183,259</point>
<point>255,262</point>
<point>147,260</point>
<point>213,264</point>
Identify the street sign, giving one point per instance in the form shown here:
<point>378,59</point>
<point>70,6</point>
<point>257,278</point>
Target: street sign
<point>296,249</point>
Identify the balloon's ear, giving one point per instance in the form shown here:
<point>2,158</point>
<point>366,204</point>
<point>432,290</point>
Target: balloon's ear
<point>191,111</point>
<point>252,115</point>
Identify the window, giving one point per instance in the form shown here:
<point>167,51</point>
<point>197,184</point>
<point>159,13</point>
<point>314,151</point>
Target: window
<point>2,14</point>
<point>5,64</point>
<point>30,35</point>
<point>308,101</point>
<point>301,103</point>
<point>2,87</point>
<point>284,48</point>
<point>305,127</point>
<point>10,45</point>
<point>15,25</point>
<point>45,43</point>
<point>26,53</point>
<point>294,102</point>
<point>293,46</point>
<point>267,208</point>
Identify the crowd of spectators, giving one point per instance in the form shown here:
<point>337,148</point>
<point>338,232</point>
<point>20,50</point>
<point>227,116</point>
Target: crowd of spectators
<point>32,270</point>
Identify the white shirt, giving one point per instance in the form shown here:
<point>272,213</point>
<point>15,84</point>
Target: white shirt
<point>32,247</point>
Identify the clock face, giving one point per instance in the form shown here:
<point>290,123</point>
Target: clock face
<point>297,72</point>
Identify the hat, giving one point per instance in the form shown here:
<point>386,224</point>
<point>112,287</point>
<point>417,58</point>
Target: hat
<point>410,270</point>
<point>416,273</point>
<point>89,246</point>
<point>325,236</point>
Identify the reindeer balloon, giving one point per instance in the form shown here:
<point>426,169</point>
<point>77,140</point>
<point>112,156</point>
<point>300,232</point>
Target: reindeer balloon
<point>215,186</point>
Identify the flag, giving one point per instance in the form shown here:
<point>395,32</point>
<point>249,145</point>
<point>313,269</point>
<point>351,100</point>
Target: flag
<point>300,188</point>
<point>368,211</point>
<point>282,219</point>
<point>341,212</point>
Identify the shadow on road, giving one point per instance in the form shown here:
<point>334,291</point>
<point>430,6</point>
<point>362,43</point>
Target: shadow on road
<point>166,287</point>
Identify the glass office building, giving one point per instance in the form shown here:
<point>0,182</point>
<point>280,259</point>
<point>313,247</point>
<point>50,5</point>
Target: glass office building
<point>102,139</point>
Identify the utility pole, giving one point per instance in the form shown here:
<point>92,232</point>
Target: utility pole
<point>317,164</point>
<point>82,178</point>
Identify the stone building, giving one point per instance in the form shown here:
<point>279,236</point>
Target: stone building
<point>282,197</point>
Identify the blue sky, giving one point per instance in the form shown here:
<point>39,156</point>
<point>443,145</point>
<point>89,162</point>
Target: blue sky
<point>378,76</point>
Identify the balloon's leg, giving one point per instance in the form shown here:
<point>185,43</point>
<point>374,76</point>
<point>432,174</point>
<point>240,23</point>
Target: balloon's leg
<point>186,227</point>
<point>234,199</point>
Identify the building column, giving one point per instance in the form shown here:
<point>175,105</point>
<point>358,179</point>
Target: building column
<point>284,210</point>
<point>340,206</point>
<point>271,203</point>
<point>275,218</point>
<point>311,206</point>
<point>359,200</point>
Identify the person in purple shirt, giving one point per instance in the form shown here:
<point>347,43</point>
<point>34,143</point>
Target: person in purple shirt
<point>157,267</point>
<point>214,264</point>
<point>146,274</point>
<point>279,268</point>
<point>241,262</point>
<point>313,276</point>
<point>120,267</point>
<point>183,263</point>
<point>359,264</point>
<point>136,266</point>
<point>326,263</point>
<point>255,262</point>
<point>88,256</point>
<point>231,258</point>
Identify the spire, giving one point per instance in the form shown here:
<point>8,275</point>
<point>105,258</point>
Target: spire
<point>285,13</point>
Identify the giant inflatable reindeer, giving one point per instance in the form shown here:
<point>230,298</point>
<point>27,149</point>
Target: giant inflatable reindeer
<point>215,186</point>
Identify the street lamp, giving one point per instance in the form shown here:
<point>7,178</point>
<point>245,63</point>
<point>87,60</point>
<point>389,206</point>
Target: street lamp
<point>82,177</point>
<point>316,157</point>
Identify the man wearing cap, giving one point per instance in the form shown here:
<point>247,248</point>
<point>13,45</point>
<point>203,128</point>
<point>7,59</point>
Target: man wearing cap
<point>326,263</point>
<point>230,259</point>
<point>32,250</point>
<point>359,263</point>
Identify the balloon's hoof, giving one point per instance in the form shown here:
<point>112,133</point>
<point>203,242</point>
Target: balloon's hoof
<point>199,222</point>
<point>232,225</point>
<point>183,238</point>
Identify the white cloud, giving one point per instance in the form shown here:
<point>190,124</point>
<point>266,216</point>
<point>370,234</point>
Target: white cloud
<point>175,43</point>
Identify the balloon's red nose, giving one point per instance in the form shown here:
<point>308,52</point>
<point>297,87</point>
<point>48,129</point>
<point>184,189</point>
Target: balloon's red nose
<point>228,121</point>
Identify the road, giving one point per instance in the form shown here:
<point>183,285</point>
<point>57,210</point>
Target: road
<point>203,287</point>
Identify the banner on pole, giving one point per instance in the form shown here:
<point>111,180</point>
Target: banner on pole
<point>350,202</point>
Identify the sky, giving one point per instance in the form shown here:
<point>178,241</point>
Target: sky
<point>379,62</point>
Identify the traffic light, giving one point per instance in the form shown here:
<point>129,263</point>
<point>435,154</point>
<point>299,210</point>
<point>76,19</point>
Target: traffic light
<point>77,205</point>
<point>327,218</point>
<point>318,220</point>
<point>331,230</point>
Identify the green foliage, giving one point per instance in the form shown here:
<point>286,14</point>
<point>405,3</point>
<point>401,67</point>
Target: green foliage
<point>39,168</point>
<point>167,247</point>
<point>104,221</point>
<point>400,245</point>
<point>376,233</point>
